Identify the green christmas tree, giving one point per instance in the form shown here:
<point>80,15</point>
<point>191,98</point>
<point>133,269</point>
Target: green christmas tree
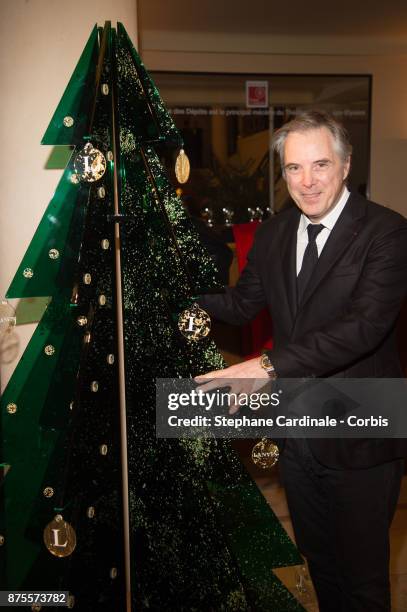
<point>92,501</point>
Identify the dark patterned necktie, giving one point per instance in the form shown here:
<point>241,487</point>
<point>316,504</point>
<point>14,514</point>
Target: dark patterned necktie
<point>309,260</point>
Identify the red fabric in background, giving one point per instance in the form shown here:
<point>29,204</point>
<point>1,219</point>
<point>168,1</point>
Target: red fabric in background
<point>257,334</point>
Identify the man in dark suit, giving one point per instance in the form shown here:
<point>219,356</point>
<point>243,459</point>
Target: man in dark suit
<point>333,273</point>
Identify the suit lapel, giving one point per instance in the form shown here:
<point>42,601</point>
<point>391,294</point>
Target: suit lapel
<point>288,257</point>
<point>344,232</point>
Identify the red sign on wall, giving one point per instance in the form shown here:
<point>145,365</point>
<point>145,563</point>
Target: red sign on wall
<point>257,94</point>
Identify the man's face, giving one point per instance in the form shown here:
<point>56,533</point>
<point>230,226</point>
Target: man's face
<point>314,172</point>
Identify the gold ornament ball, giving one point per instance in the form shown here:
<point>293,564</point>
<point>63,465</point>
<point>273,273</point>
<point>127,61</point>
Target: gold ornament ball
<point>90,164</point>
<point>59,537</point>
<point>265,454</point>
<point>194,323</point>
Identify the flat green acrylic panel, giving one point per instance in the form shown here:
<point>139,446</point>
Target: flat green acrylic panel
<point>28,443</point>
<point>77,99</point>
<point>31,310</point>
<point>48,264</point>
<point>59,157</point>
<point>244,507</point>
<point>155,123</point>
<point>258,542</point>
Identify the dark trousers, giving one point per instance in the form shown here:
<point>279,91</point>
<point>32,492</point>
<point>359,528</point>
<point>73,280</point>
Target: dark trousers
<point>341,521</point>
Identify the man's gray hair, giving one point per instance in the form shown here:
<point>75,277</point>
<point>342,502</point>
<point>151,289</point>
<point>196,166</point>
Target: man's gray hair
<point>312,120</point>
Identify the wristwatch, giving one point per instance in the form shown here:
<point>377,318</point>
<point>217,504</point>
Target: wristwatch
<point>268,366</point>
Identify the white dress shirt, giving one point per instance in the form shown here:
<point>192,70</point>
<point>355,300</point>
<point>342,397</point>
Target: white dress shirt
<point>328,222</point>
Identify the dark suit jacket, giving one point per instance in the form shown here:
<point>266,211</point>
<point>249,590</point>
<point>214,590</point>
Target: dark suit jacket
<point>345,325</point>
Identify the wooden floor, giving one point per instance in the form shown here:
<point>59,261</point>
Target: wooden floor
<point>297,579</point>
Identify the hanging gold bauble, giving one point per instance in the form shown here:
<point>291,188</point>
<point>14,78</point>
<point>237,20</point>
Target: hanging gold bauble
<point>90,164</point>
<point>194,323</point>
<point>265,453</point>
<point>182,167</point>
<point>59,537</point>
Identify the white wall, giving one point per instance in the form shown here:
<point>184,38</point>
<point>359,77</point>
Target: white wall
<point>40,44</point>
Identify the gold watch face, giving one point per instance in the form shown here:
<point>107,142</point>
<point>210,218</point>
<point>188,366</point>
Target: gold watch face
<point>265,362</point>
